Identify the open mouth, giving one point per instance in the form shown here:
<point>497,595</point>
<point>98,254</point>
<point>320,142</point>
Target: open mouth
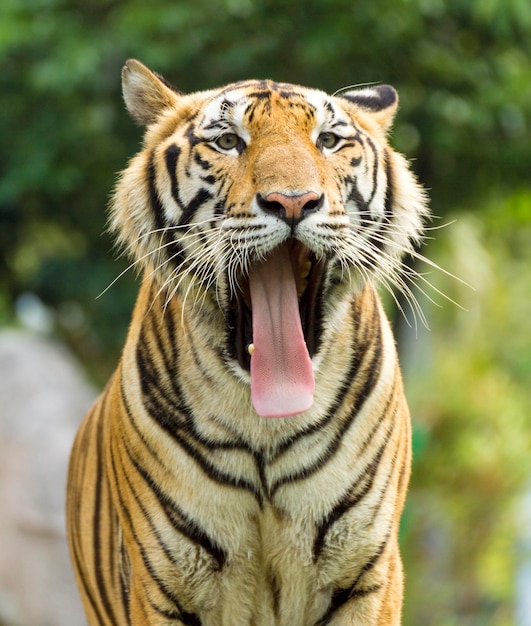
<point>276,328</point>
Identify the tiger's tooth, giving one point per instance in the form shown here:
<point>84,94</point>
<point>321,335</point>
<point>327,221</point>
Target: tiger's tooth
<point>304,272</point>
<point>305,268</point>
<point>250,348</point>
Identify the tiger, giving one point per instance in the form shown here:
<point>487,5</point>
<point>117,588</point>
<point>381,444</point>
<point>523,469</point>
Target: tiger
<point>248,461</point>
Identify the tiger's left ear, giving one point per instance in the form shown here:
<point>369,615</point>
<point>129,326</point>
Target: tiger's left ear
<point>381,101</point>
<point>146,94</point>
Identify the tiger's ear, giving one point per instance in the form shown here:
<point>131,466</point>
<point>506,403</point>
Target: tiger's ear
<point>381,101</point>
<point>145,93</point>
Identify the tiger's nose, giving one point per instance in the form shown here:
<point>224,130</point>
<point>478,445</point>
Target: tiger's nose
<point>290,208</point>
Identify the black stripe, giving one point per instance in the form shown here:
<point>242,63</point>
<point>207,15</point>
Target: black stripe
<point>340,123</point>
<point>358,348</point>
<point>217,125</point>
<point>361,344</point>
<point>383,495</point>
<point>192,137</point>
<point>226,107</point>
<point>171,246</point>
<point>287,94</point>
<point>77,552</point>
<point>124,574</point>
<point>261,95</point>
<point>376,168</point>
<point>169,327</point>
<point>219,209</point>
<point>341,596</point>
<point>171,615</point>
<point>351,498</point>
<point>187,430</point>
<point>180,521</point>
<point>369,565</point>
<point>160,583</point>
<point>165,346</point>
<point>373,374</point>
<point>245,84</point>
<point>249,112</point>
<point>376,241</point>
<point>161,389</point>
<point>332,112</point>
<point>87,592</point>
<point>167,407</point>
<point>203,164</point>
<point>176,418</point>
<point>375,99</point>
<point>114,556</point>
<point>172,155</point>
<point>261,464</point>
<point>276,591</point>
<point>156,204</point>
<point>97,519</point>
<point>349,141</point>
<point>354,162</point>
<point>202,196</point>
<point>389,191</point>
<point>354,195</point>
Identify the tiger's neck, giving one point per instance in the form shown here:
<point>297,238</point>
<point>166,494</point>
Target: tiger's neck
<point>179,355</point>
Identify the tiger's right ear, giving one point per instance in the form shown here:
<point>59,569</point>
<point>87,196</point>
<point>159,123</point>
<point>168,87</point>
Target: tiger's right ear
<point>146,94</point>
<point>380,101</point>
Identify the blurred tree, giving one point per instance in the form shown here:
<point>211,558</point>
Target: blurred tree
<point>463,71</point>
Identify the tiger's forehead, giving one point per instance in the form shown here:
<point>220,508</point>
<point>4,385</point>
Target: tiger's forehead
<point>243,102</point>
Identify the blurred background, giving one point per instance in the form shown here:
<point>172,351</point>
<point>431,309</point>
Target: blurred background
<point>463,72</point>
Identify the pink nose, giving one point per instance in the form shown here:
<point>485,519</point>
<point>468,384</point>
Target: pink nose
<point>291,209</point>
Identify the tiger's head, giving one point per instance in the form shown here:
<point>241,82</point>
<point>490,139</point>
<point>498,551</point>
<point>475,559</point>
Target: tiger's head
<point>267,205</point>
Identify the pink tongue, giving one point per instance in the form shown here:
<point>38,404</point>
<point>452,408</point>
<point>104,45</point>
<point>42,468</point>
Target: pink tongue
<point>282,380</point>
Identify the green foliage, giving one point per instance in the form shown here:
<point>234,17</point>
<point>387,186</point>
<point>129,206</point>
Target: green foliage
<point>463,71</point>
<point>473,424</point>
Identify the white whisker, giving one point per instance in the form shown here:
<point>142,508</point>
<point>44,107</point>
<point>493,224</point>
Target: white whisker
<point>133,245</point>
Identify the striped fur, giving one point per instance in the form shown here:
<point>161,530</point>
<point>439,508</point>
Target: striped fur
<point>184,505</point>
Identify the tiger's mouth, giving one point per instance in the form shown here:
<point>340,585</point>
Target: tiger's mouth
<point>276,328</point>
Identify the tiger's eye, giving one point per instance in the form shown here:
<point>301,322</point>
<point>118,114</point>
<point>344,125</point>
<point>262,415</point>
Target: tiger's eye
<point>227,141</point>
<point>328,140</point>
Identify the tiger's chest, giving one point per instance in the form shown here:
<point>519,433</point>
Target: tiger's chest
<point>277,563</point>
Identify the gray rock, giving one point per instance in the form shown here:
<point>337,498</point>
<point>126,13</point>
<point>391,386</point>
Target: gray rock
<point>43,397</point>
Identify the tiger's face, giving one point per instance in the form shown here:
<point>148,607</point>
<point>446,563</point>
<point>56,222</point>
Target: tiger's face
<point>269,205</point>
